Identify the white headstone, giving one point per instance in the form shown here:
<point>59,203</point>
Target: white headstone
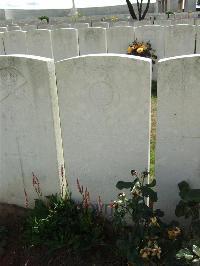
<point>30,131</point>
<point>120,23</point>
<point>179,40</point>
<point>142,23</point>
<point>155,35</point>
<point>104,109</point>
<point>3,29</point>
<point>92,41</point>
<point>100,24</point>
<point>163,22</point>
<point>2,48</point>
<point>197,22</point>
<point>80,25</point>
<point>15,42</point>
<point>39,43</point>
<point>29,27</point>
<point>119,38</point>
<point>198,40</point>
<point>162,16</point>
<point>65,43</point>
<point>47,27</point>
<point>181,15</point>
<point>11,27</point>
<point>178,127</point>
<point>62,26</point>
<point>189,21</point>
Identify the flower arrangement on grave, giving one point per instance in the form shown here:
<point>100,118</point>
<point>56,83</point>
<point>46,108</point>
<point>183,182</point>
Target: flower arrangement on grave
<point>42,18</point>
<point>114,18</point>
<point>142,49</point>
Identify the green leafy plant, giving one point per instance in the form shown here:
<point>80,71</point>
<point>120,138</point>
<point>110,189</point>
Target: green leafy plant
<point>61,222</point>
<point>189,208</point>
<point>44,18</point>
<point>143,237</point>
<point>168,13</point>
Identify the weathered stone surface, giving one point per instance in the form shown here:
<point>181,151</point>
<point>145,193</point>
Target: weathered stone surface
<point>153,33</point>
<point>189,21</point>
<point>62,26</point>
<point>43,26</point>
<point>142,23</point>
<point>30,128</point>
<point>2,49</point>
<point>92,41</point>
<point>15,42</point>
<point>121,23</point>
<point>3,29</point>
<point>64,43</point>
<point>119,38</point>
<point>179,40</point>
<point>29,27</point>
<point>163,22</point>
<point>178,127</point>
<point>104,108</point>
<point>81,25</point>
<point>11,27</point>
<point>100,24</point>
<point>39,43</point>
<point>198,40</point>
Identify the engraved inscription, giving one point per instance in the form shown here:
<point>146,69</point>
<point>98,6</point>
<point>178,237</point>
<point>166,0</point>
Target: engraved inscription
<point>10,81</point>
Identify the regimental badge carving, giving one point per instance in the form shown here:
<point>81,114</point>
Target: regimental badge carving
<point>11,80</point>
<point>102,94</point>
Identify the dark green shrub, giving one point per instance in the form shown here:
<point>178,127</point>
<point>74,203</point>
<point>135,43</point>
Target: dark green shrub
<point>189,208</point>
<point>44,18</point>
<point>142,236</point>
<point>62,222</point>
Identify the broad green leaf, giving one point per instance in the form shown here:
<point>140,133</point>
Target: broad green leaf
<point>196,250</point>
<point>192,195</point>
<point>184,253</point>
<point>148,192</point>
<point>121,185</point>
<point>183,186</point>
<point>181,208</point>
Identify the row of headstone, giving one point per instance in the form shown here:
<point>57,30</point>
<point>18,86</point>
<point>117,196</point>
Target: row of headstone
<point>100,104</point>
<point>160,20</point>
<point>124,18</point>
<point>169,22</point>
<point>105,125</point>
<point>64,43</point>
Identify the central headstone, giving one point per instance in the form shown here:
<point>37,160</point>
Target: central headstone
<point>104,108</point>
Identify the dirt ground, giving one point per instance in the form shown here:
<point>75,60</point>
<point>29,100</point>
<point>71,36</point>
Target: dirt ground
<point>15,253</point>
